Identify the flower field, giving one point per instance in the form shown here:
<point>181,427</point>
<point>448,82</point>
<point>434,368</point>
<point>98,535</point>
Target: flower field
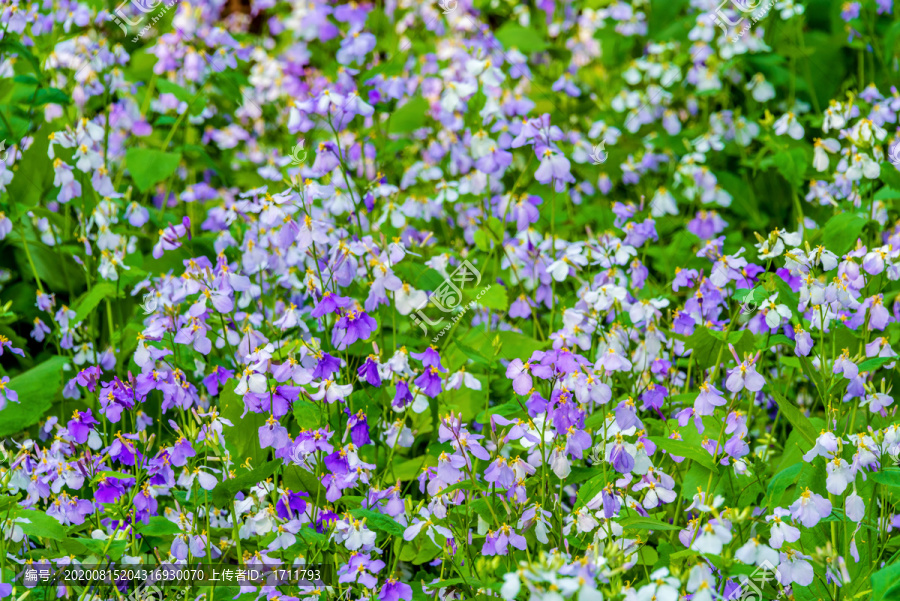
<point>449,300</point>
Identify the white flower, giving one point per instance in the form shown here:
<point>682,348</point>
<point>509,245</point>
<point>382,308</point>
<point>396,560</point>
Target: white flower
<point>855,507</point>
<point>761,90</point>
<point>821,150</point>
<point>788,124</point>
<point>663,203</point>
<point>409,299</point>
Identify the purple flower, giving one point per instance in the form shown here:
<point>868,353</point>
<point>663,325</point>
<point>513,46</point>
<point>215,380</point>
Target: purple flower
<point>554,167</point>
<point>497,543</point>
<point>394,590</point>
<point>7,394</point>
<point>330,303</point>
<point>272,434</point>
<point>430,358</point>
<point>368,371</point>
<point>430,382</point>
<point>744,376</point>
<point>519,374</point>
<point>810,508</point>
<point>80,426</point>
<point>170,238</point>
<point>352,326</point>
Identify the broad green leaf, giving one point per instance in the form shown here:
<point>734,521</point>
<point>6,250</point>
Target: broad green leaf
<point>51,96</point>
<point>89,301</point>
<point>464,485</point>
<point>307,413</point>
<point>39,524</point>
<point>158,526</point>
<point>409,469</point>
<point>793,414</point>
<point>37,389</point>
<point>781,482</point>
<point>492,296</point>
<point>243,438</point>
<point>886,583</point>
<point>680,448</point>
<point>889,477</point>
<point>708,346</point>
<point>527,40</point>
<point>379,521</point>
<point>149,167</point>
<point>224,492</point>
<point>409,117</point>
<point>642,523</point>
<point>876,362</point>
<point>590,489</point>
<point>34,176</point>
<point>841,231</point>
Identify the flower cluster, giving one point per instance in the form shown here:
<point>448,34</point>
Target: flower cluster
<point>565,301</point>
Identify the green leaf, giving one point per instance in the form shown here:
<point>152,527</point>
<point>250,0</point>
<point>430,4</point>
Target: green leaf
<point>889,477</point>
<point>89,301</point>
<point>711,345</point>
<point>298,479</point>
<point>795,417</point>
<point>34,176</point>
<point>36,388</point>
<point>680,448</point>
<point>307,413</point>
<point>409,469</point>
<point>243,438</point>
<point>491,296</point>
<point>158,526</point>
<point>109,474</point>
<point>875,362</point>
<point>167,87</point>
<point>40,524</point>
<point>224,491</point>
<point>509,410</point>
<point>642,523</point>
<point>589,490</point>
<point>517,345</point>
<point>464,485</point>
<point>409,117</point>
<point>886,583</point>
<point>841,232</point>
<point>51,96</point>
<point>527,40</point>
<point>781,482</point>
<point>379,521</point>
<point>149,167</point>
